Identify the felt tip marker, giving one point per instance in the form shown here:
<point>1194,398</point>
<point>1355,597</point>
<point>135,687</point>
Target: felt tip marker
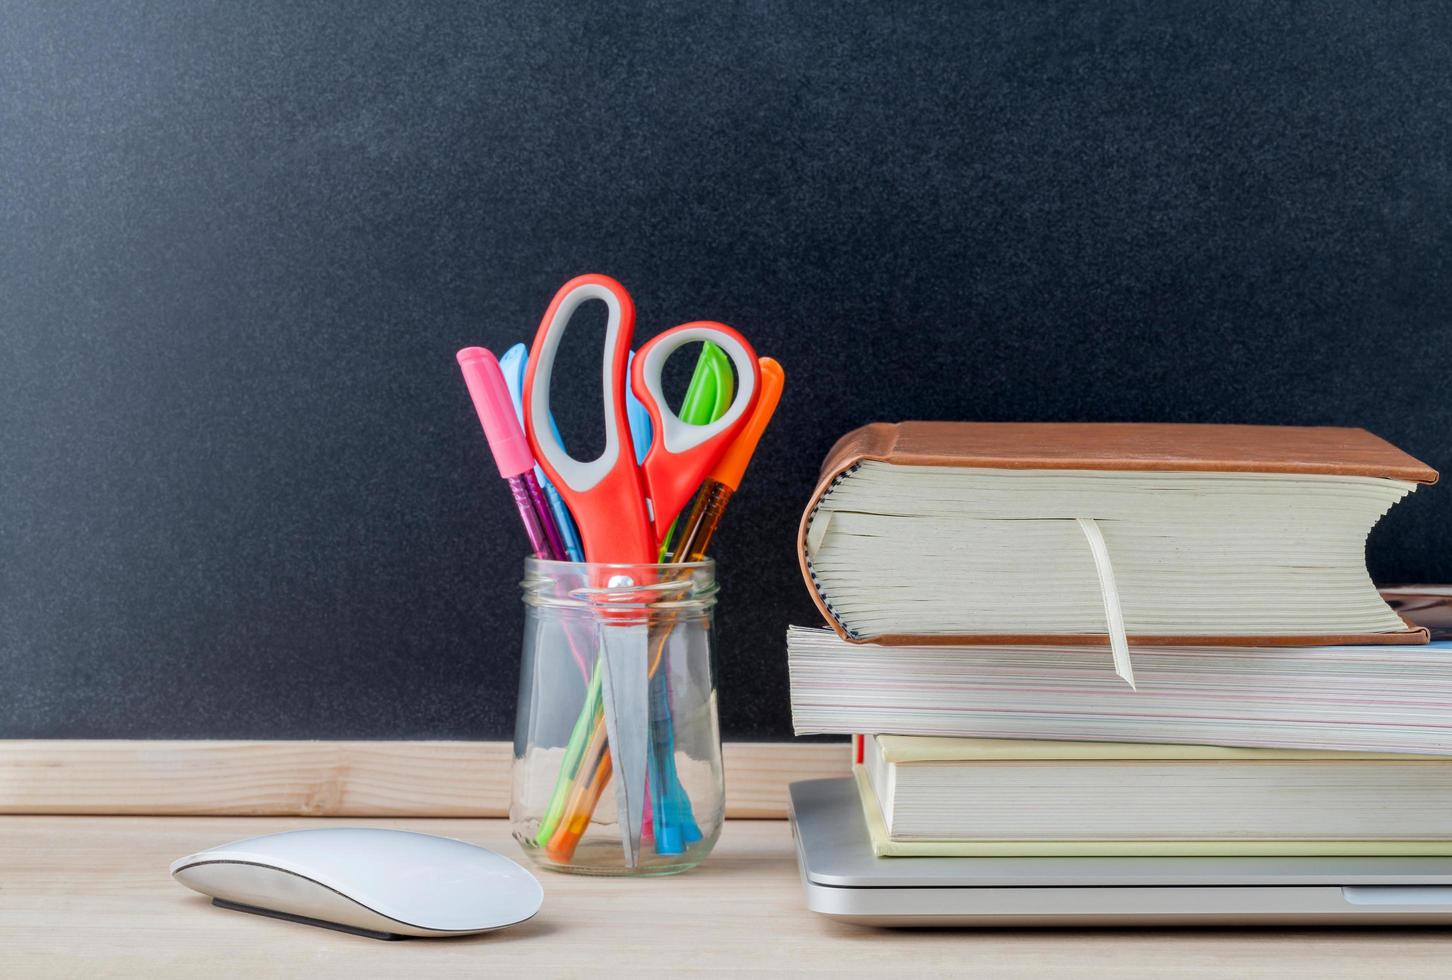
<point>511,449</point>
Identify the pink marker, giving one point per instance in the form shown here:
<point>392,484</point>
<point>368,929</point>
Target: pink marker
<point>511,449</point>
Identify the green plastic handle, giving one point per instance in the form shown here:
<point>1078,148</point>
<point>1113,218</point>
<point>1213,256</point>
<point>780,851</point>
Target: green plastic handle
<point>707,397</point>
<point>712,385</point>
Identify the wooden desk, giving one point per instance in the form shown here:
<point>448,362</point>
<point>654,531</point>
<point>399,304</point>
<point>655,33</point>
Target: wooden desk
<point>89,897</point>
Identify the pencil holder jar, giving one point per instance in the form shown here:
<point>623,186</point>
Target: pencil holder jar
<point>617,747</point>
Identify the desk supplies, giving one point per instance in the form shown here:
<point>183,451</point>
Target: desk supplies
<point>699,528</point>
<point>511,451</point>
<point>383,884</point>
<point>587,767</point>
<point>623,507</point>
<point>617,513</point>
<point>937,532</point>
<point>707,398</point>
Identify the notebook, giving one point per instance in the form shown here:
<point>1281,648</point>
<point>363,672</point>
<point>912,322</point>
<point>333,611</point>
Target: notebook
<point>991,797</point>
<point>995,533</point>
<point>1347,698</point>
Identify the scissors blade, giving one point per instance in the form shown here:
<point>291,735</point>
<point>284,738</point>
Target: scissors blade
<point>624,649</point>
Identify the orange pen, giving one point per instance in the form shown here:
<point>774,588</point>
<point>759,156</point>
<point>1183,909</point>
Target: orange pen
<point>583,796</point>
<point>700,523</point>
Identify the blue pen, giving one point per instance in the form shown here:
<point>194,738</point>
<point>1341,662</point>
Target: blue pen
<point>513,363</point>
<point>639,419</point>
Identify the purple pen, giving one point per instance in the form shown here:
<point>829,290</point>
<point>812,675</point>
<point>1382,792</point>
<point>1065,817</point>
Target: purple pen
<point>534,510</point>
<point>511,449</point>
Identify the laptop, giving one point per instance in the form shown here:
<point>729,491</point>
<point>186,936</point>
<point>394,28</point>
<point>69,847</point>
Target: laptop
<point>844,880</point>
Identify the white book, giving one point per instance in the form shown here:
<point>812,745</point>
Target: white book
<point>964,532</point>
<point>939,550</point>
<point>1349,698</point>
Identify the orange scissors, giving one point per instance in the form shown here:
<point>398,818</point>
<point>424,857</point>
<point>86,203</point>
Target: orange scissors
<point>623,508</point>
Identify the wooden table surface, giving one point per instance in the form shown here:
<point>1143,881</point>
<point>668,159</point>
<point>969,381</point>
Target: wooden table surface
<point>91,897</point>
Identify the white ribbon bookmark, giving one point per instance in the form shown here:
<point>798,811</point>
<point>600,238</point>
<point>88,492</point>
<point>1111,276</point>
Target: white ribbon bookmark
<point>1109,593</point>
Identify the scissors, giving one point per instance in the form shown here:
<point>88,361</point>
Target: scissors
<point>624,508</point>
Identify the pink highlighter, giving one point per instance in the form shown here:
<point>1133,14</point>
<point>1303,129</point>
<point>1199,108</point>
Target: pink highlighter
<point>511,449</point>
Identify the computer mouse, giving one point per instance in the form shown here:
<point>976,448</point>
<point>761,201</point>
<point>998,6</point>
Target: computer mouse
<point>387,884</point>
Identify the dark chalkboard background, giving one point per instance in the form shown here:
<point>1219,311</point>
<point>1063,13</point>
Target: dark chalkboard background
<point>242,493</point>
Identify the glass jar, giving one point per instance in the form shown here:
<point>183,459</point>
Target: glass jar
<point>617,746</point>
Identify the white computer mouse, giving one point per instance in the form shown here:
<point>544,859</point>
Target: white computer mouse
<point>387,884</point>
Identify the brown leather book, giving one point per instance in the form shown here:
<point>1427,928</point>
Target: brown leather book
<point>1254,498</point>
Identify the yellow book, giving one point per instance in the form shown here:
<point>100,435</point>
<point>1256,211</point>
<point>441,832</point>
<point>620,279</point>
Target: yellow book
<point>925,749</point>
<point>1000,798</point>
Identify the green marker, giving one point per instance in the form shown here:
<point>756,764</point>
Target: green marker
<point>707,397</point>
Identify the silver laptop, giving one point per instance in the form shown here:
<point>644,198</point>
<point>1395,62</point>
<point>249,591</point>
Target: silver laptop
<point>845,881</point>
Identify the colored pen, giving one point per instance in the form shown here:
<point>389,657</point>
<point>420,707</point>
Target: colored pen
<point>584,796</point>
<point>510,448</point>
<point>707,397</point>
<point>699,526</point>
<point>513,365</point>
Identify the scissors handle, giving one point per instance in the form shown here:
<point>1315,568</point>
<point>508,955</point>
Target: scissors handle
<point>682,454</point>
<point>606,495</point>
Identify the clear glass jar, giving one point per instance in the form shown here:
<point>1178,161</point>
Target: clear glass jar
<point>617,726</point>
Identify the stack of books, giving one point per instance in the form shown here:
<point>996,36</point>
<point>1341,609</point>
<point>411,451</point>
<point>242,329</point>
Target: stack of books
<point>1084,639</point>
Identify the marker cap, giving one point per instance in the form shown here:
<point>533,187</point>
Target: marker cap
<point>732,465</point>
<point>496,411</point>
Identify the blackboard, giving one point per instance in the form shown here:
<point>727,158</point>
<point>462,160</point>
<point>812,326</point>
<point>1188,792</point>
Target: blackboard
<point>242,494</point>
